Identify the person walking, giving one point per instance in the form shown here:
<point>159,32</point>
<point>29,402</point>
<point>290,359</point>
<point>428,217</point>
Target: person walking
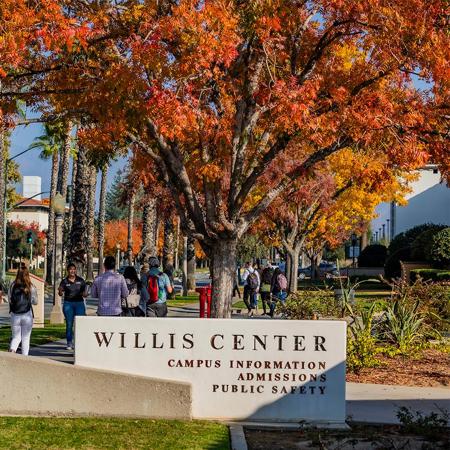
<point>266,284</point>
<point>144,273</point>
<point>135,304</point>
<point>110,288</point>
<point>158,286</point>
<point>236,284</point>
<point>251,287</point>
<point>73,289</point>
<point>278,289</point>
<point>21,295</point>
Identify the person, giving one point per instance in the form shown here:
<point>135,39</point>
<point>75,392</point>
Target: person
<point>168,270</point>
<point>251,287</point>
<point>73,289</point>
<point>266,284</point>
<point>136,302</point>
<point>278,289</point>
<point>110,288</point>
<point>236,284</point>
<point>22,295</point>
<point>144,273</point>
<point>159,286</point>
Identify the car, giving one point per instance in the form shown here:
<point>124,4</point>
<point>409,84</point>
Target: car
<point>325,270</point>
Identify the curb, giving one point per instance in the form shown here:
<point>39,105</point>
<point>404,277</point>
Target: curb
<point>237,437</point>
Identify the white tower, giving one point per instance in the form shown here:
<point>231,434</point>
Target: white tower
<point>31,187</point>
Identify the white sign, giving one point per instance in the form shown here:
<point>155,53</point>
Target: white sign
<point>262,370</point>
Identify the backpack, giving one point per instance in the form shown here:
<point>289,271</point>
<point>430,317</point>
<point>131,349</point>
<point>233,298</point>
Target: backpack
<point>282,282</point>
<point>19,302</point>
<point>266,277</point>
<point>153,287</point>
<point>252,280</point>
<point>133,298</point>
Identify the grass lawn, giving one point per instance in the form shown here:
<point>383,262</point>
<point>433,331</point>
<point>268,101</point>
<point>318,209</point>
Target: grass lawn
<point>39,336</point>
<point>183,300</point>
<point>94,433</point>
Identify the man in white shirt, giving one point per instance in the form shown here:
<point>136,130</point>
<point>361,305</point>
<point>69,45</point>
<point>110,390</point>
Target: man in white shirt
<point>252,283</point>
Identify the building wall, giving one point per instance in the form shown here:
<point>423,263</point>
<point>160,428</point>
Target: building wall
<point>27,216</point>
<point>428,202</point>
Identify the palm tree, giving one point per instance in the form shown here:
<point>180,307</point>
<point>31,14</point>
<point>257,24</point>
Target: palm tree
<point>149,226</point>
<point>169,242</point>
<point>50,144</point>
<point>77,242</point>
<point>91,222</point>
<point>131,203</point>
<point>101,216</point>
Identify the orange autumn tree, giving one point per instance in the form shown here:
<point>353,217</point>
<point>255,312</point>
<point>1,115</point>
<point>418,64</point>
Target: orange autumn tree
<point>116,233</point>
<point>236,100</point>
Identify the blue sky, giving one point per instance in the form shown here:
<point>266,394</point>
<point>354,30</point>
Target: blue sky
<point>31,164</point>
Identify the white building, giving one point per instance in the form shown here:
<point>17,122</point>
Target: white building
<point>428,202</point>
<point>32,210</point>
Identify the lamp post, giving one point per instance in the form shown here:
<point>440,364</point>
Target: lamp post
<point>354,242</point>
<point>388,231</point>
<point>384,231</point>
<point>59,206</point>
<point>117,257</point>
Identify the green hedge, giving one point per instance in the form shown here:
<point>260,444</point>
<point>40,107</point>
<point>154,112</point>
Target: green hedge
<point>430,274</point>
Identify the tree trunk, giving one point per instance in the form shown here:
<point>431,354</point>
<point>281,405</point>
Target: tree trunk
<point>3,157</point>
<point>191,263</point>
<point>72,182</point>
<point>292,268</point>
<point>169,241</point>
<point>223,273</point>
<point>101,218</point>
<point>177,244</point>
<point>63,174</point>
<point>91,223</point>
<point>51,218</point>
<point>149,227</point>
<point>77,244</point>
<point>132,200</point>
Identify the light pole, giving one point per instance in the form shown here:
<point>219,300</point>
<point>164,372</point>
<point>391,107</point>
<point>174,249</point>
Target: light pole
<point>59,206</point>
<point>117,257</point>
<point>354,242</point>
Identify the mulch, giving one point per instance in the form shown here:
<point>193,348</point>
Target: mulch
<point>431,368</point>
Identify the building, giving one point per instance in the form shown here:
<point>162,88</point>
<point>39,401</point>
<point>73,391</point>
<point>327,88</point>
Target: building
<point>428,202</point>
<point>31,210</point>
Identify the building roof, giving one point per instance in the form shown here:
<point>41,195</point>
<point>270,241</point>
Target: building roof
<point>33,203</point>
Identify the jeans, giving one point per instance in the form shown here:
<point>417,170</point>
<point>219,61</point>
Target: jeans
<point>70,310</point>
<point>21,326</point>
<point>249,298</point>
<point>156,310</point>
<point>281,296</point>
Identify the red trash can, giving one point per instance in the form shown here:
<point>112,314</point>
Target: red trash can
<point>205,297</point>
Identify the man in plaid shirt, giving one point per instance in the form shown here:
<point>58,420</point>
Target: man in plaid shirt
<point>110,288</point>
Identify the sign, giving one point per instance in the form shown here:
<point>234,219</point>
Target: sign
<point>261,370</point>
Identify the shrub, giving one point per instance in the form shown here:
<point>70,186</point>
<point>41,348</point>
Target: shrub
<point>406,238</point>
<point>422,245</point>
<point>440,249</point>
<point>403,325</point>
<point>307,305</point>
<point>361,344</point>
<point>373,256</point>
<point>430,275</point>
<point>392,268</point>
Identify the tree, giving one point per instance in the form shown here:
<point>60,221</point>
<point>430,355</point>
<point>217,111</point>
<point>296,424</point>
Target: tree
<point>440,250</point>
<point>17,245</point>
<point>252,85</point>
<point>90,229</point>
<point>115,209</point>
<point>116,233</point>
<point>102,216</point>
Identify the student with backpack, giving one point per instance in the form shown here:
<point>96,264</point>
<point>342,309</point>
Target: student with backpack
<point>22,295</point>
<point>278,289</point>
<point>158,287</point>
<point>266,284</point>
<point>136,303</point>
<point>251,287</point>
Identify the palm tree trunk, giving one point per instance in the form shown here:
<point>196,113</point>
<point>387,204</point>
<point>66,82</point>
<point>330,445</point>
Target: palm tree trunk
<point>191,264</point>
<point>63,174</point>
<point>2,192</point>
<point>101,218</point>
<point>91,222</point>
<point>51,218</point>
<point>131,203</point>
<point>72,182</point>
<point>169,242</point>
<point>77,244</point>
<point>149,228</point>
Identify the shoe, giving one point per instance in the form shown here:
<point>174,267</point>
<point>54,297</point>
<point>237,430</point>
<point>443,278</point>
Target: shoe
<point>250,313</point>
<point>11,350</point>
<point>69,347</point>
